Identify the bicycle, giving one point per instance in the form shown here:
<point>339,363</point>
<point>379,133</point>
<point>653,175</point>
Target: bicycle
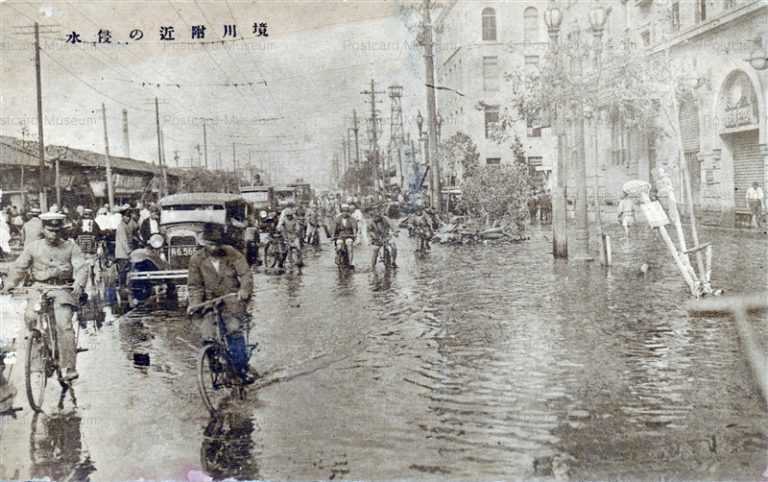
<point>342,253</point>
<point>43,345</point>
<point>216,373</point>
<point>384,254</point>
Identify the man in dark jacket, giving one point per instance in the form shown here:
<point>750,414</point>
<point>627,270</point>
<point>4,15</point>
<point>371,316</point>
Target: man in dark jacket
<point>214,271</point>
<point>150,226</point>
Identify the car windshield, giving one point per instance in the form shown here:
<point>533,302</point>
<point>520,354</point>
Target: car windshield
<point>194,207</point>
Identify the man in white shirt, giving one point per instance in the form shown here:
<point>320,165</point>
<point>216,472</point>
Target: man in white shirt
<point>755,200</point>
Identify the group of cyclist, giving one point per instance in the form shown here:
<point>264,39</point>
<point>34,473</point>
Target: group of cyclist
<point>53,263</point>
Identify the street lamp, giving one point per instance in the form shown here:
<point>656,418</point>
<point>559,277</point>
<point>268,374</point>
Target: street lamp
<point>598,16</point>
<point>758,58</point>
<point>553,18</point>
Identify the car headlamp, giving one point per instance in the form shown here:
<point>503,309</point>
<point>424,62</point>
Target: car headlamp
<point>38,307</point>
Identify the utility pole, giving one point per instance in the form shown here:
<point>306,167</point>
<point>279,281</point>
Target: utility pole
<point>40,141</point>
<point>126,140</point>
<point>164,186</point>
<point>431,108</point>
<point>234,160</point>
<point>377,177</point>
<point>357,147</point>
<point>107,160</point>
<point>49,29</point>
<point>205,145</point>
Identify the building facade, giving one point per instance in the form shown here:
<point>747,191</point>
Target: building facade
<point>708,42</point>
<point>476,44</point>
<point>723,125</point>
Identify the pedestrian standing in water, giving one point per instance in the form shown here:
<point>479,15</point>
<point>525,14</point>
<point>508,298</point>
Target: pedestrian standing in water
<point>626,214</point>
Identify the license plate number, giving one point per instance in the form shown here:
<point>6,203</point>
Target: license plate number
<point>183,250</point>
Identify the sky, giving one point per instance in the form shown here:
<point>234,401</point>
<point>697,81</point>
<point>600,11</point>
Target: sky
<point>295,92</point>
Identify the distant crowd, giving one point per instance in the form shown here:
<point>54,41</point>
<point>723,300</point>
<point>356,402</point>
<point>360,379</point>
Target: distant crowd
<point>21,226</point>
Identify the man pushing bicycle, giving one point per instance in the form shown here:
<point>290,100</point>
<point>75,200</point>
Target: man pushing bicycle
<point>214,271</point>
<point>55,266</point>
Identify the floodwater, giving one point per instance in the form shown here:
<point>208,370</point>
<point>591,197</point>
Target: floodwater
<point>492,361</point>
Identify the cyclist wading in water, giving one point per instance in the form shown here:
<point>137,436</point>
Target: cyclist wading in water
<point>54,265</point>
<point>214,271</point>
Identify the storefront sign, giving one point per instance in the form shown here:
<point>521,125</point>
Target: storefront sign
<point>738,103</point>
<point>128,183</point>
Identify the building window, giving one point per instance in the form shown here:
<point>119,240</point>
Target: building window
<point>492,161</point>
<point>490,73</point>
<point>701,11</point>
<point>531,25</point>
<point>675,17</point>
<point>489,24</point>
<point>534,126</point>
<point>645,35</point>
<point>532,60</point>
<point>491,119</point>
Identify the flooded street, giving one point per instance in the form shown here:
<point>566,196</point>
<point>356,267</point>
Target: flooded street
<point>470,362</point>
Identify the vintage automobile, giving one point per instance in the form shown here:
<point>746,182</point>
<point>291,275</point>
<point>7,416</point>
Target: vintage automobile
<point>182,217</point>
<point>285,196</point>
<point>261,198</point>
<point>303,192</point>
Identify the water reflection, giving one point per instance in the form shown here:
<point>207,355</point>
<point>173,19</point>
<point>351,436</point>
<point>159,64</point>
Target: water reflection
<point>228,450</point>
<point>56,448</point>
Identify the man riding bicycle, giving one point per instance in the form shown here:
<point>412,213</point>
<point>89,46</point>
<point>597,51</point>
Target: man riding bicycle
<point>345,231</point>
<point>53,265</point>
<point>381,237</point>
<point>214,271</point>
<point>291,230</point>
<point>422,228</point>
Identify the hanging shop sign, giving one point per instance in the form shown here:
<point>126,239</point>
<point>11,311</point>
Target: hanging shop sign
<point>738,104</point>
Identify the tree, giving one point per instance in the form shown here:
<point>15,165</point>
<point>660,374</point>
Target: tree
<point>497,192</point>
<point>460,155</point>
<point>204,180</point>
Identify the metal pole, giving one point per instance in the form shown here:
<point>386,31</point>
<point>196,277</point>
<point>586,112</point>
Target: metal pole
<point>582,215</point>
<point>559,189</point>
<point>431,109</point>
<point>40,139</point>
<point>107,161</point>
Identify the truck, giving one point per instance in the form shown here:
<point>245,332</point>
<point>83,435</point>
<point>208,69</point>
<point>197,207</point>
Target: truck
<point>261,198</point>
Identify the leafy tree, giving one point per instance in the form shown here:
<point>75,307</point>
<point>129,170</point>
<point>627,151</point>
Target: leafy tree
<point>460,155</point>
<point>204,180</point>
<point>496,192</point>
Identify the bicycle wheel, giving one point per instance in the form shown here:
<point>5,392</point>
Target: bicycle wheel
<point>216,377</point>
<point>36,370</point>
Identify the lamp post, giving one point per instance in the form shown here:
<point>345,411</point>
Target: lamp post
<point>598,15</point>
<point>553,17</point>
<point>758,58</point>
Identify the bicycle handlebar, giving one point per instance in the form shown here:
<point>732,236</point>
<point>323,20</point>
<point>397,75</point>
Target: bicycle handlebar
<point>206,305</point>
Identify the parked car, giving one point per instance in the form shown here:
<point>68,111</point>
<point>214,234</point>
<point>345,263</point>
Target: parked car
<point>182,217</point>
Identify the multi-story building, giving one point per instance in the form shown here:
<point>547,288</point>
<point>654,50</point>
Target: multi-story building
<point>723,125</point>
<point>710,41</point>
<point>476,43</point>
